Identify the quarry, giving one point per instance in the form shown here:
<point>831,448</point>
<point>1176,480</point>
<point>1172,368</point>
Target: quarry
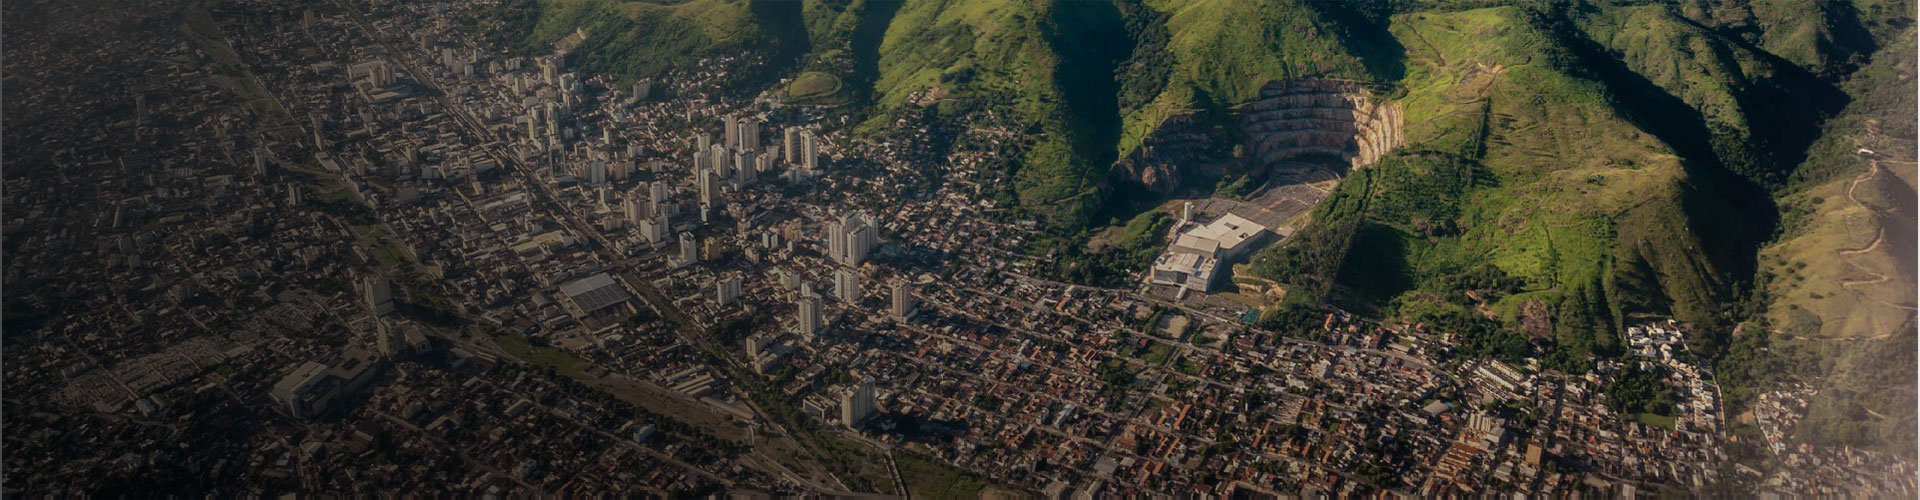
<point>1300,135</point>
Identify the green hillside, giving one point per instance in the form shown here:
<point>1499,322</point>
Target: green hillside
<point>630,39</point>
<point>1524,183</point>
<point>1827,37</point>
<point>1832,280</point>
<point>1739,94</point>
<point>844,36</point>
<point>1212,54</point>
<point>1569,167</point>
<point>1843,227</point>
<point>1005,57</point>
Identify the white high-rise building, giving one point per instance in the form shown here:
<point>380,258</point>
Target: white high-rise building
<point>730,130</point>
<point>809,151</point>
<point>387,339</point>
<point>851,238</point>
<point>846,285</point>
<point>657,198</point>
<point>633,209</point>
<point>378,293</point>
<point>902,303</point>
<point>597,172</point>
<point>790,144</point>
<point>655,229</point>
<point>720,161</point>
<point>745,168</point>
<point>727,290</point>
<point>810,321</point>
<point>755,345</point>
<point>689,251</point>
<point>764,162</point>
<point>709,182</point>
<point>857,404</point>
<point>376,73</point>
<point>836,240</point>
<point>643,89</point>
<point>623,168</point>
<point>749,134</point>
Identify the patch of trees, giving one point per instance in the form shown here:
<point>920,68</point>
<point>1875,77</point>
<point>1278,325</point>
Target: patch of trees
<point>1294,318</point>
<point>1116,374</point>
<point>1309,261</point>
<point>1638,390</point>
<point>1422,193</point>
<point>1487,280</point>
<point>1144,73</point>
<point>1115,264</point>
<point>423,302</point>
<point>1583,328</point>
<point>1478,336</point>
<point>735,330</point>
<point>1241,186</point>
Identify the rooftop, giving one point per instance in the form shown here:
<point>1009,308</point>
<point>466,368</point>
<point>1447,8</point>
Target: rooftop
<point>594,292</point>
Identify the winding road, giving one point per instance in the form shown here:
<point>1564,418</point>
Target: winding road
<point>1882,216</point>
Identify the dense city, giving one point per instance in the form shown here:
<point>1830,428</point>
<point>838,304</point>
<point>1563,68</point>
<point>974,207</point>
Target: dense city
<point>344,248</point>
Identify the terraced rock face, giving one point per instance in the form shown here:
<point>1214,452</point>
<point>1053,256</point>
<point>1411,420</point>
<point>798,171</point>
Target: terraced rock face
<point>1291,120</point>
<point>1325,118</point>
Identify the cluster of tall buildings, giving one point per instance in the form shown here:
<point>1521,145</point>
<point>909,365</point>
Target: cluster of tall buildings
<point>651,213</point>
<point>459,62</point>
<point>763,354</point>
<point>801,148</point>
<point>738,160</point>
<point>846,285</point>
<point>851,237</point>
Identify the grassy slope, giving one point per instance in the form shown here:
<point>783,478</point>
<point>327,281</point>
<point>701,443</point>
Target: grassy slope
<point>1815,289</point>
<point>1823,291</point>
<point>814,85</point>
<point>1637,218</point>
<point>631,40</point>
<point>844,36</point>
<point>928,478</point>
<point>1222,51</point>
<point>1736,93</point>
<point>1559,189</point>
<point>996,55</point>
<point>1826,37</point>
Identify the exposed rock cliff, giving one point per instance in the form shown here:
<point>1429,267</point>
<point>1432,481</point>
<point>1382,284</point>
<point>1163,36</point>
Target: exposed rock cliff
<point>1297,118</point>
<point>1183,146</point>
<point>1290,120</point>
